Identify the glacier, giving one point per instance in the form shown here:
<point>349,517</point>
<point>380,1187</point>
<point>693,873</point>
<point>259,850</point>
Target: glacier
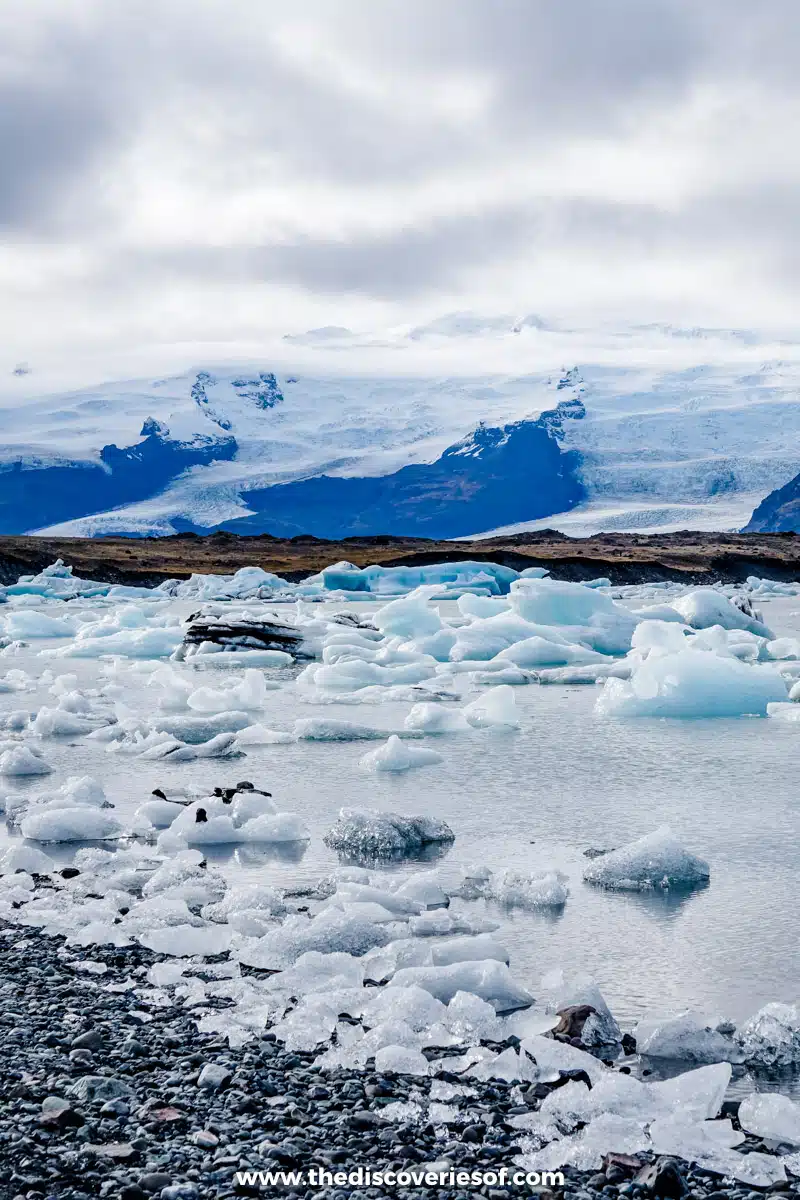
<point>443,434</point>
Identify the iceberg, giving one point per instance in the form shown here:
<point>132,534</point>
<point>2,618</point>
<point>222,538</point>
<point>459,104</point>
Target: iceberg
<point>70,825</point>
<point>691,682</point>
<point>706,607</point>
<point>23,760</point>
<point>429,717</point>
<point>367,833</point>
<point>497,708</point>
<point>517,890</point>
<point>399,756</point>
<point>655,860</point>
<point>686,1036</point>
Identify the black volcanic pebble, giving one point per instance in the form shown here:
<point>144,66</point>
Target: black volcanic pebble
<point>162,1135</point>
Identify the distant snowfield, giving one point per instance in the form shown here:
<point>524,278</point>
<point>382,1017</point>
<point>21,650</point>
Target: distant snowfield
<point>684,428</point>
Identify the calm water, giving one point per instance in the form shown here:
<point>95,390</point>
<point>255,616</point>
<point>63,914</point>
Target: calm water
<point>536,799</point>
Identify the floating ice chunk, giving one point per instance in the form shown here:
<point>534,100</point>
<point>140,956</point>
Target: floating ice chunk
<point>771,1038</point>
<point>128,643</point>
<point>686,1036</point>
<point>401,1060</point>
<point>321,729</point>
<point>367,833</point>
<point>26,858</point>
<point>196,730</point>
<point>259,735</point>
<point>34,624</point>
<point>692,683</point>
<point>497,707</point>
<point>771,1115</point>
<point>549,652</point>
<point>274,828</point>
<point>55,722</point>
<point>427,717</point>
<point>393,902</point>
<point>424,889</point>
<point>516,890</point>
<point>488,979</point>
<point>185,941</point>
<point>185,878</point>
<point>158,814</point>
<point>398,756</point>
<point>23,760</point>
<point>478,948</point>
<point>785,712</point>
<point>248,693</point>
<point>656,860</point>
<point>706,607</point>
<point>482,606</point>
<point>411,616</point>
<point>70,825</point>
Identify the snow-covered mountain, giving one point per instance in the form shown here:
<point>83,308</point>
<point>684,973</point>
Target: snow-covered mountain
<point>464,425</point>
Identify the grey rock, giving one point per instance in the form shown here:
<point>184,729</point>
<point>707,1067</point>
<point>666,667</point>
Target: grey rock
<point>213,1076</point>
<point>101,1087</point>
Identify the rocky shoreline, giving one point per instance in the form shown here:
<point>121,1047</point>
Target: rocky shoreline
<point>102,1095</point>
<point>624,558</point>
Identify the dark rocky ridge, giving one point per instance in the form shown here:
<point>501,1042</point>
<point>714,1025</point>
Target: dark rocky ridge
<point>622,557</point>
<point>779,512</point>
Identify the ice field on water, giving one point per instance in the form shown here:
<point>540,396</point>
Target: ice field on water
<point>535,719</point>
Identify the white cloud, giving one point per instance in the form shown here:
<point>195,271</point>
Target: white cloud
<point>223,170</point>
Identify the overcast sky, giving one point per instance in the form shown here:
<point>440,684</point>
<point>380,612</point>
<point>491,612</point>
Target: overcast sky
<point>219,170</point>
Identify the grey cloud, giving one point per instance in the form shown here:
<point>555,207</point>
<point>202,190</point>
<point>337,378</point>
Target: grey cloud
<point>82,83</point>
<point>404,263</point>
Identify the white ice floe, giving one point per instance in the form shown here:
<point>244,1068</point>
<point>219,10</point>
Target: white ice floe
<point>515,889</point>
<point>429,717</point>
<point>70,825</point>
<point>496,708</point>
<point>657,860</point>
<point>699,677</point>
<point>688,1036</point>
<point>706,607</point>
<point>23,760</point>
<point>249,692</point>
<point>399,756</point>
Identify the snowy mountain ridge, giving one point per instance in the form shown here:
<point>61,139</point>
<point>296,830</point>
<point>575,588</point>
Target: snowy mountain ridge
<point>633,430</point>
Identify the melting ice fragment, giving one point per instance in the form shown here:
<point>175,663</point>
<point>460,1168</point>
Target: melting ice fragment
<point>771,1115</point>
<point>656,860</point>
<point>366,833</point>
<point>685,1036</point>
<point>399,756</point>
